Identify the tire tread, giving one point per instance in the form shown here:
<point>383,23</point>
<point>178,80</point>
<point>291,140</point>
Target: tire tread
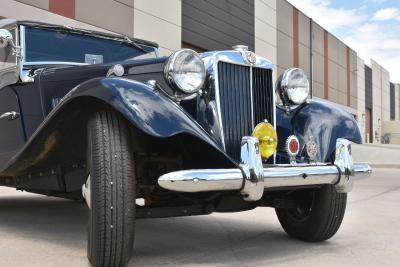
<point>324,220</point>
<point>113,191</point>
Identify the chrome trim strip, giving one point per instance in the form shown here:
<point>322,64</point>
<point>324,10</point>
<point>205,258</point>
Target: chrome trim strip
<point>274,103</point>
<point>218,102</point>
<point>54,63</point>
<point>23,45</point>
<point>251,97</point>
<point>252,178</point>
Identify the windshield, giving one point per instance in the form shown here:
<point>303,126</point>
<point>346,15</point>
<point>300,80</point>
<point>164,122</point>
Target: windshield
<point>49,45</point>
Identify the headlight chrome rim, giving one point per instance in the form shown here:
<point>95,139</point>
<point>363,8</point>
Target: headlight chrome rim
<point>290,93</point>
<point>171,68</point>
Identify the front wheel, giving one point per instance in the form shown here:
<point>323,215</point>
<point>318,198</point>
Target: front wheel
<point>112,190</point>
<point>317,215</point>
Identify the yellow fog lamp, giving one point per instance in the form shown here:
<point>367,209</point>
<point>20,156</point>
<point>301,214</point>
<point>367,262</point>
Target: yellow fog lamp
<point>267,137</point>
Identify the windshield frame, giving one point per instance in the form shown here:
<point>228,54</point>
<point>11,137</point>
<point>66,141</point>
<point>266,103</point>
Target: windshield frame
<point>33,63</point>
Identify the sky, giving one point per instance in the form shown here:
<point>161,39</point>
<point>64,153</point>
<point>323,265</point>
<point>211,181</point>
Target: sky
<point>370,27</point>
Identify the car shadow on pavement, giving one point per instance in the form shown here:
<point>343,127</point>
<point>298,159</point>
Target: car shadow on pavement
<point>215,239</point>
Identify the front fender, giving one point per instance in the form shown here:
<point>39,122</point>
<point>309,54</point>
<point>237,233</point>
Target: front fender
<point>323,122</point>
<point>64,128</point>
<point>148,109</point>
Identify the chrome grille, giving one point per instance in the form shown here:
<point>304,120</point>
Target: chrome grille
<point>263,95</point>
<point>238,85</point>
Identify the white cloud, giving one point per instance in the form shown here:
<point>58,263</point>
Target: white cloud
<point>372,40</point>
<point>387,14</point>
<point>375,1</point>
<point>369,36</point>
<point>328,17</point>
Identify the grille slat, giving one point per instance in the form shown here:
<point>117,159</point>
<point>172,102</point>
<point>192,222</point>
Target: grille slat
<point>235,83</point>
<point>263,95</point>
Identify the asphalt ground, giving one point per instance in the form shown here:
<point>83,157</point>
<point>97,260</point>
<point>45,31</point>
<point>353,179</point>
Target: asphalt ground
<point>44,231</point>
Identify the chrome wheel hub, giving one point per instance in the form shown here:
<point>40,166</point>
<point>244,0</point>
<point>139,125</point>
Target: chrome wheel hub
<point>86,191</point>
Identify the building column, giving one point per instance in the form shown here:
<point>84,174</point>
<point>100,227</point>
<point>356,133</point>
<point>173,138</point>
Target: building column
<point>326,65</point>
<point>348,86</point>
<point>397,101</point>
<point>265,31</point>
<point>361,113</point>
<point>160,22</point>
<point>295,37</point>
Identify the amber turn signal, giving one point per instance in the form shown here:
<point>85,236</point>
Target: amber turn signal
<point>267,137</point>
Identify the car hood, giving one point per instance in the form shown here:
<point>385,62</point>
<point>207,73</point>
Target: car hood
<point>56,82</point>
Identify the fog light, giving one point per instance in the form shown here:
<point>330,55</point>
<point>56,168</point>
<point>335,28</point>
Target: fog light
<point>267,137</point>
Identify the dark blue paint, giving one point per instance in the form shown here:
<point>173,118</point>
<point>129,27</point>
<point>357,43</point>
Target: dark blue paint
<point>321,121</point>
<point>157,115</point>
<point>147,109</point>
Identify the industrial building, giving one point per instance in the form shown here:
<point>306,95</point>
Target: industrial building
<point>272,28</point>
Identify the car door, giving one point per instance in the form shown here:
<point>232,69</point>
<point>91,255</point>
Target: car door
<point>12,136</point>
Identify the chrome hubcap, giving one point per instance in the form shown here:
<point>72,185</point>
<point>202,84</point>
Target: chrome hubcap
<point>86,191</point>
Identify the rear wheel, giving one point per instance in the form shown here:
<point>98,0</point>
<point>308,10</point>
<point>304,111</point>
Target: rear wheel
<point>112,190</point>
<point>317,216</point>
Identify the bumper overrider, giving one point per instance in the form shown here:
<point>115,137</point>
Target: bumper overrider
<point>251,178</point>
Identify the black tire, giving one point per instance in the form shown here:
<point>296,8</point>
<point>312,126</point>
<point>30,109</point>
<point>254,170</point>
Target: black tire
<point>112,191</point>
<point>318,217</point>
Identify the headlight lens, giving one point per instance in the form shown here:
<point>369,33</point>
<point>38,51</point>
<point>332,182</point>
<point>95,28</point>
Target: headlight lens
<point>293,86</point>
<point>185,71</point>
<point>267,137</point>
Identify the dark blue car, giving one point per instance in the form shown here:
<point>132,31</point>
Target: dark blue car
<point>103,117</point>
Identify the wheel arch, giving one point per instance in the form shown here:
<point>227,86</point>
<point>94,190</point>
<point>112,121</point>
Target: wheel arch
<point>61,138</point>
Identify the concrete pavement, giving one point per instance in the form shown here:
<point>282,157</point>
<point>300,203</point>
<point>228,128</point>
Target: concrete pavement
<point>43,231</point>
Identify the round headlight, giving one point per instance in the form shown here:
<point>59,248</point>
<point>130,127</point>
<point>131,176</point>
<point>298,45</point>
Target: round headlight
<point>293,86</point>
<point>185,71</point>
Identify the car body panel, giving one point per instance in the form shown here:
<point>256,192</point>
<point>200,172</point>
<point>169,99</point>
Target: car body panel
<point>12,137</point>
<point>319,121</point>
<point>146,108</point>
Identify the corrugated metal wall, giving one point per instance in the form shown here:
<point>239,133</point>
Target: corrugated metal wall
<point>213,25</point>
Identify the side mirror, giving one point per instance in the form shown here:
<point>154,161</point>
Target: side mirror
<point>6,38</point>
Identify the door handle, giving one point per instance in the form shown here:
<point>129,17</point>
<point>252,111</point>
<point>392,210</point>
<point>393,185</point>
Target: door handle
<point>11,115</point>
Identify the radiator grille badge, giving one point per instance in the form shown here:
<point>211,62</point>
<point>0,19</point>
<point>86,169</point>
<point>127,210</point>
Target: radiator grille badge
<point>251,58</point>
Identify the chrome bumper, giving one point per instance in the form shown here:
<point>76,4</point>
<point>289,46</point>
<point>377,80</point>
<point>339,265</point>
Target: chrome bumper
<point>252,178</point>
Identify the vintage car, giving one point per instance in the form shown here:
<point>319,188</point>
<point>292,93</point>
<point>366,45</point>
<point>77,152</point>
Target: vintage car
<point>102,117</point>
